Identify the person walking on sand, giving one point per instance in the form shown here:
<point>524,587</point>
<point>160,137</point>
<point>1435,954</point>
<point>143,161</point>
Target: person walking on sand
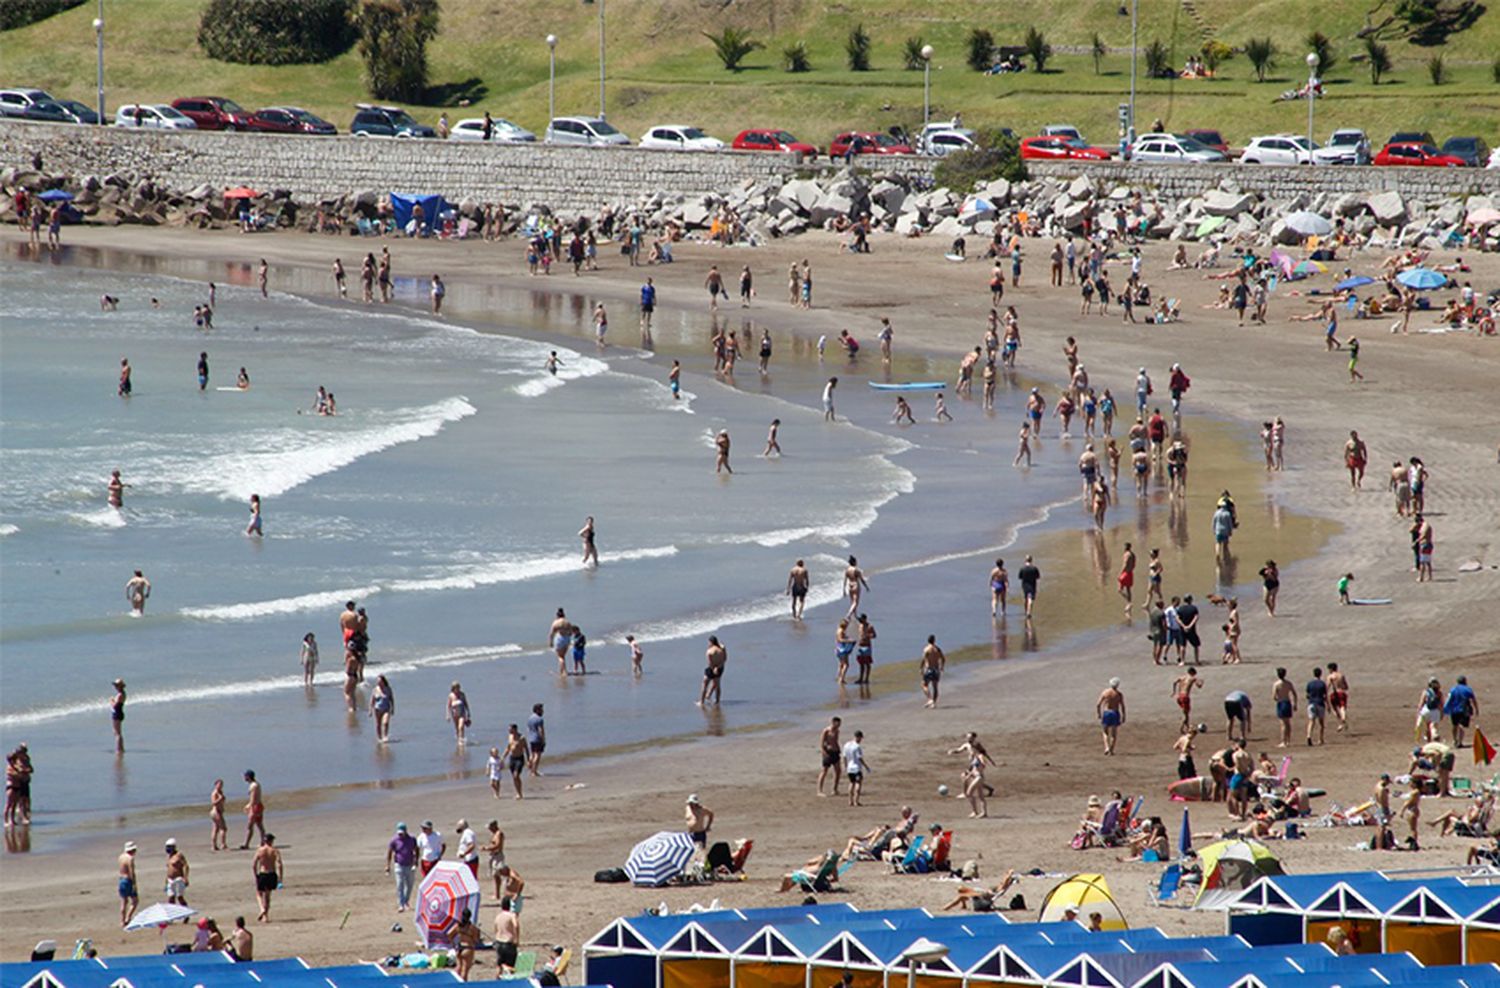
<point>1270,580</point>
<point>129,893</point>
<point>1338,695</point>
<point>401,861</point>
<point>855,766</point>
<point>721,452</point>
<point>1126,579</point>
<point>715,285</point>
<point>1461,707</point>
<point>137,591</point>
<point>854,585</point>
<point>507,937</point>
<point>516,754</point>
<point>255,809</point>
<point>1316,692</point>
<point>536,740</point>
<point>382,708</point>
<point>1111,712</point>
<point>829,751</point>
<point>698,820</point>
<point>747,286</point>
<point>458,712</point>
<point>1284,695</point>
<point>590,551</point>
<point>1029,575</point>
<point>716,657</point>
<point>1182,694</point>
<point>797,582</point>
<point>864,650</point>
<point>218,837</point>
<point>933,664</point>
<point>269,875</point>
<point>1356,455</point>
<point>177,874</point>
<point>494,850</point>
<point>999,582</point>
<point>117,715</point>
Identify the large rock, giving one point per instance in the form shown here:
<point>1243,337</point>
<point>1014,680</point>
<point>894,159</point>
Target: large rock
<point>1388,208</point>
<point>696,216</point>
<point>948,227</point>
<point>803,193</point>
<point>1220,203</point>
<point>1072,217</point>
<point>828,207</point>
<point>997,192</point>
<point>1081,188</point>
<point>906,223</point>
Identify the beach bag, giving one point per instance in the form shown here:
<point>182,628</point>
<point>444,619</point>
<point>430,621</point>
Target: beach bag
<point>611,875</point>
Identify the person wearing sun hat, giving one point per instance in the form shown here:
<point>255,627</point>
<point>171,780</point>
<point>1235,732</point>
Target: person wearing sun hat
<point>129,898</point>
<point>401,860</point>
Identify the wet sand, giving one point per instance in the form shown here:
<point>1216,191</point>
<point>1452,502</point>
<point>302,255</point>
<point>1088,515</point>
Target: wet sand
<point>1426,395</point>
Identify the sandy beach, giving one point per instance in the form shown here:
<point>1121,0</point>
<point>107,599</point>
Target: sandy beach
<point>1424,395</point>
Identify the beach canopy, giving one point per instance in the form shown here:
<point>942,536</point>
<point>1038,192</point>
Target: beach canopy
<point>1230,866</point>
<point>976,206</point>
<point>449,889</point>
<point>1422,279</point>
<point>1309,224</point>
<point>1209,224</point>
<point>1083,893</point>
<point>1358,281</point>
<point>56,195</point>
<point>402,205</point>
<point>240,192</point>
<point>159,916</point>
<point>1483,216</point>
<point>659,858</point>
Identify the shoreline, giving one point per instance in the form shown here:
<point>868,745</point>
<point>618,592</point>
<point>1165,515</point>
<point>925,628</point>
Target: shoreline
<point>1040,813</point>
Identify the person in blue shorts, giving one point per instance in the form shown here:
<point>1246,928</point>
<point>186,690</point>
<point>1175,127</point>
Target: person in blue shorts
<point>1111,711</point>
<point>129,898</point>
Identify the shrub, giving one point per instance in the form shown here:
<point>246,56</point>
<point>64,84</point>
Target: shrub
<point>1214,54</point>
<point>393,36</point>
<point>1320,45</point>
<point>1262,55</point>
<point>275,32</point>
<point>1495,69</point>
<point>732,45</point>
<point>857,47</point>
<point>911,54</point>
<point>1099,49</point>
<point>981,50</point>
<point>19,13</point>
<point>1037,48</point>
<point>1437,71</point>
<point>1379,58</point>
<point>794,58</point>
<point>997,156</point>
<point>1158,59</point>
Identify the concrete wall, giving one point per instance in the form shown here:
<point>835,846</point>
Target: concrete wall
<point>1279,181</point>
<point>566,178</point>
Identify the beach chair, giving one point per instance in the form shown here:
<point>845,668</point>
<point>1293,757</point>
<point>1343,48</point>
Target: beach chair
<point>908,864</point>
<point>1164,889</point>
<point>524,969</point>
<point>824,879</point>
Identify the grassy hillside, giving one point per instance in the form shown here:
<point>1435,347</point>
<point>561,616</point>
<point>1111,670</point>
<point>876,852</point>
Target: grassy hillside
<point>661,68</point>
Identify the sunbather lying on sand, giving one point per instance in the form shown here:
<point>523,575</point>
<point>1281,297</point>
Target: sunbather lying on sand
<point>981,899</point>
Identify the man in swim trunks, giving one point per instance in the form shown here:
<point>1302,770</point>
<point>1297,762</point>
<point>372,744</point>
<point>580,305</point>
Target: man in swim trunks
<point>177,874</point>
<point>203,371</point>
<point>515,754</point>
<point>864,652</point>
<point>933,664</point>
<point>561,637</point>
<point>507,936</point>
<point>1316,692</point>
<point>1111,712</point>
<point>1187,616</point>
<point>699,820</point>
<point>1029,576</point>
<point>137,589</point>
<point>536,740</point>
<point>269,875</point>
<point>829,749</point>
<point>349,621</point>
<point>1355,457</point>
<point>255,810</point>
<point>129,896</point>
<point>1284,695</point>
<point>1237,708</point>
<point>1126,579</point>
<point>1462,706</point>
<point>1338,695</point>
<point>797,582</point>
<point>716,657</point>
<point>1182,693</point>
<point>124,389</point>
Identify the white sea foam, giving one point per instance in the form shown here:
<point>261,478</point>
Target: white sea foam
<point>323,599</point>
<point>8,530</point>
<point>838,526</point>
<point>274,462</point>
<point>103,518</point>
<point>270,684</point>
<point>571,368</point>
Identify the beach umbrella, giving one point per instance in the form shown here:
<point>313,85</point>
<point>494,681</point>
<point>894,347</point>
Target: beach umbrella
<point>240,192</point>
<point>1233,864</point>
<point>1358,281</point>
<point>1282,261</point>
<point>1422,279</point>
<point>56,195</point>
<point>1483,217</point>
<point>1185,837</point>
<point>449,889</point>
<point>1308,224</point>
<point>1210,224</point>
<point>976,206</point>
<point>159,916</point>
<point>1306,268</point>
<point>659,858</point>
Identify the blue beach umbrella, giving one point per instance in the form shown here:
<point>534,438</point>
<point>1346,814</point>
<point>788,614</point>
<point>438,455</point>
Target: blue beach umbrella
<point>1358,281</point>
<point>659,858</point>
<point>1422,279</point>
<point>1185,837</point>
<point>56,195</point>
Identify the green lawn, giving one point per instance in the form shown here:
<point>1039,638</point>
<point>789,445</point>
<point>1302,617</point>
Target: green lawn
<point>661,69</point>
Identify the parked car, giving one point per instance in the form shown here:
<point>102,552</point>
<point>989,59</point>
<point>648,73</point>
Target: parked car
<point>939,143</point>
<point>1413,153</point>
<point>1172,148</point>
<point>80,112</point>
<point>679,137</point>
<point>1277,149</point>
<point>1494,158</point>
<point>1473,150</point>
<point>1346,146</point>
<point>1062,130</point>
<point>47,111</point>
<point>213,112</point>
<point>158,116</point>
<point>1412,137</point>
<point>13,102</point>
<point>289,120</point>
<point>1209,139</point>
<point>1061,149</point>
<point>589,131</point>
<point>866,142</point>
<point>502,131</point>
<point>770,139</point>
<point>386,121</point>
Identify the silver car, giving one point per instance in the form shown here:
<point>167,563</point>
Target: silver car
<point>158,116</point>
<point>1172,148</point>
<point>13,102</point>
<point>591,131</point>
<point>502,131</point>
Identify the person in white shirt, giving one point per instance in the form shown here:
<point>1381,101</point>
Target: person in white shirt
<point>430,844</point>
<point>833,382</point>
<point>468,846</point>
<point>855,767</point>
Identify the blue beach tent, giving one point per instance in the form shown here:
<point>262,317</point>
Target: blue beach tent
<point>432,208</point>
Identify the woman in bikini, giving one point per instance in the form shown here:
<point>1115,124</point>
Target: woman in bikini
<point>999,581</point>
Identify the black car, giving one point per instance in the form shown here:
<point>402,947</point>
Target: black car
<point>386,121</point>
<point>80,112</point>
<point>1474,152</point>
<point>1412,137</point>
<point>47,110</point>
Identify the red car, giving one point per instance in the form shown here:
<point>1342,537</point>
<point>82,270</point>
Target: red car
<point>289,120</point>
<point>772,140</point>
<point>866,142</point>
<point>213,112</point>
<point>1413,153</point>
<point>1061,148</point>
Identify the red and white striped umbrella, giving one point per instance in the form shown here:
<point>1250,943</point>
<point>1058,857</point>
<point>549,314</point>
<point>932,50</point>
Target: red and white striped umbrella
<point>449,888</point>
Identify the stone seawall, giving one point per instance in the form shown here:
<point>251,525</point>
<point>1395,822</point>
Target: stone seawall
<point>1277,181</point>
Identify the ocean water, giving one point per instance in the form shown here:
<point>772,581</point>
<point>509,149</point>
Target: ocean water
<point>444,497</point>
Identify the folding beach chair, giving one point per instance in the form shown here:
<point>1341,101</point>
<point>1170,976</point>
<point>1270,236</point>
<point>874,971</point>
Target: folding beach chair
<point>1165,888</point>
<point>525,967</point>
<point>908,864</point>
<point>824,879</point>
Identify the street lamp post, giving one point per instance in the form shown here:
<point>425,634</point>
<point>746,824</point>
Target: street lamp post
<point>99,42</point>
<point>1312,79</point>
<point>926,86</point>
<point>601,58</point>
<point>551,78</point>
<point>924,951</point>
<point>1134,38</point>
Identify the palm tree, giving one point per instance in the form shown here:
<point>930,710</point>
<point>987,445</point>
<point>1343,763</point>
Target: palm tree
<point>732,45</point>
<point>1262,55</point>
<point>1379,58</point>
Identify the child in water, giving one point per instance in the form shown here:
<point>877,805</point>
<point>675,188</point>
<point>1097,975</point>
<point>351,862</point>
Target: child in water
<point>580,651</point>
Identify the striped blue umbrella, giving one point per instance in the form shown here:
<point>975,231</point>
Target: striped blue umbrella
<point>659,858</point>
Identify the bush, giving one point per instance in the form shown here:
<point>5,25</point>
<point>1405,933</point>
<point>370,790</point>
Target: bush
<point>1495,69</point>
<point>1214,54</point>
<point>1037,48</point>
<point>1320,45</point>
<point>911,54</point>
<point>19,13</point>
<point>997,156</point>
<point>1098,49</point>
<point>857,47</point>
<point>981,50</point>
<point>1379,58</point>
<point>1158,59</point>
<point>794,58</point>
<point>1437,71</point>
<point>732,45</point>
<point>393,36</point>
<point>1262,55</point>
<point>275,32</point>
